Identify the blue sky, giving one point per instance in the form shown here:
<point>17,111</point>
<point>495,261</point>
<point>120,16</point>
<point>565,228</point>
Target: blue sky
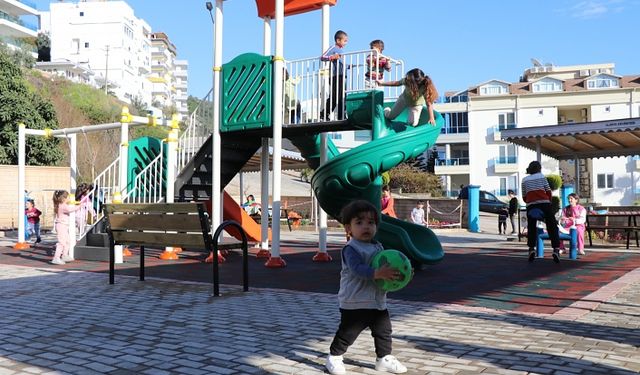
<point>458,43</point>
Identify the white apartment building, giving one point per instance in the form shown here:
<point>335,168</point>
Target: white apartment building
<point>163,56</point>
<point>106,37</point>
<point>16,23</point>
<point>471,150</point>
<point>181,76</point>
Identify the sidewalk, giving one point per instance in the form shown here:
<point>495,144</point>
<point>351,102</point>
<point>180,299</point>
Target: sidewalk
<point>58,321</point>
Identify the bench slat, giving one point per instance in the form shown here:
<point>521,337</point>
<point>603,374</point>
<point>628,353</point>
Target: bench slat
<point>178,208</point>
<point>158,222</point>
<point>188,240</point>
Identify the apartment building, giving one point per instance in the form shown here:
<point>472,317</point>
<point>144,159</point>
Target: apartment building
<point>163,56</point>
<point>107,38</point>
<point>18,20</point>
<point>470,148</point>
<point>181,76</point>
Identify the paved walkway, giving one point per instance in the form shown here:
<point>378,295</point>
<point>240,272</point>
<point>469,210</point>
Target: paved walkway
<point>58,321</point>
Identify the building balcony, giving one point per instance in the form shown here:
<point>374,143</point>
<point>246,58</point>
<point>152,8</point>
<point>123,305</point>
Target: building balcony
<point>497,136</point>
<point>451,193</point>
<point>181,73</point>
<point>505,164</point>
<point>19,7</point>
<point>452,166</point>
<point>504,192</point>
<point>14,27</point>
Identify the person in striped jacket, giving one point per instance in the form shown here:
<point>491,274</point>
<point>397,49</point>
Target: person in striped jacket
<point>536,193</point>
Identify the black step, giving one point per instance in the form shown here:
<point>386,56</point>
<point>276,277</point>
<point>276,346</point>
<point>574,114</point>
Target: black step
<point>96,253</point>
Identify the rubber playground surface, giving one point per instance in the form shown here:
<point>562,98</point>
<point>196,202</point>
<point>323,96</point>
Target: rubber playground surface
<point>490,272</point>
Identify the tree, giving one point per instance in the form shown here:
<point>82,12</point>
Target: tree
<point>18,104</point>
<point>138,106</point>
<point>43,43</point>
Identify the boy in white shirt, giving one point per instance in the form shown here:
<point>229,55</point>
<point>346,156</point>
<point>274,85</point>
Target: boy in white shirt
<point>417,214</point>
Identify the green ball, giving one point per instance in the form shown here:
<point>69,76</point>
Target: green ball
<point>399,261</point>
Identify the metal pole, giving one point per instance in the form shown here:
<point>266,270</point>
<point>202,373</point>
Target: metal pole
<point>322,238</point>
<point>278,75</point>
<point>106,73</point>
<point>73,162</point>
<point>216,161</point>
<point>21,245</point>
<point>264,165</point>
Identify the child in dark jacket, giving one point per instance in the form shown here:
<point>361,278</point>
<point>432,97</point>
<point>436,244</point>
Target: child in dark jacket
<point>502,221</point>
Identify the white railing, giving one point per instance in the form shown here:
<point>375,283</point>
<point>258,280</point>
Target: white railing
<point>199,129</point>
<point>148,185</point>
<point>314,89</point>
<point>105,185</point>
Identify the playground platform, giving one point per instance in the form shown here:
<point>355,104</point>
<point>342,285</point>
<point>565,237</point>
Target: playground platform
<point>483,309</point>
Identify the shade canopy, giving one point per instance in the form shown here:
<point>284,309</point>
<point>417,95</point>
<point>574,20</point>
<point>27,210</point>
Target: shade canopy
<point>267,8</point>
<point>291,160</point>
<point>581,140</point>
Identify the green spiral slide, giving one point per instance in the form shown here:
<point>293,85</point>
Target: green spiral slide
<point>355,174</point>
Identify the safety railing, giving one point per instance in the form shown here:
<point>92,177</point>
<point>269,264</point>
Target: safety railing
<point>315,90</point>
<point>105,186</point>
<point>197,132</point>
<point>149,185</point>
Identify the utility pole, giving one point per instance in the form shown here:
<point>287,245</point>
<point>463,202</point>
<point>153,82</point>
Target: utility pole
<point>106,72</point>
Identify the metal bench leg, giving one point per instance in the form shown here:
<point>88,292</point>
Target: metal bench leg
<point>141,263</point>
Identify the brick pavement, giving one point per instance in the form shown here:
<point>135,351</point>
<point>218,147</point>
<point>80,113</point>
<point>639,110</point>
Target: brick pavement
<point>62,321</point>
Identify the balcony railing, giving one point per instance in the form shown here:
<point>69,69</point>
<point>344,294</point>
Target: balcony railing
<point>455,130</point>
<point>451,193</point>
<point>17,21</point>
<point>453,99</point>
<point>502,127</point>
<point>453,161</point>
<point>506,160</point>
<point>504,192</point>
<point>28,3</point>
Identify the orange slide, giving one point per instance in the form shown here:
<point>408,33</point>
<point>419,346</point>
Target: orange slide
<point>233,211</point>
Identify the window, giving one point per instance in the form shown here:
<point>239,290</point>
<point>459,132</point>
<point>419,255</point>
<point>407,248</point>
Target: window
<point>605,181</point>
<point>602,82</point>
<point>547,85</point>
<point>457,122</point>
<point>507,154</point>
<point>81,14</point>
<point>75,46</point>
<point>86,44</point>
<point>506,121</point>
<point>493,89</point>
<point>335,136</point>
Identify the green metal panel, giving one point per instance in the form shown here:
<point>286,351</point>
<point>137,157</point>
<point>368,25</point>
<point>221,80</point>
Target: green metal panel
<point>246,93</point>
<point>141,153</point>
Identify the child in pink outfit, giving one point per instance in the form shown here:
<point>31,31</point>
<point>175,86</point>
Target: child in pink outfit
<point>62,209</point>
<point>575,215</point>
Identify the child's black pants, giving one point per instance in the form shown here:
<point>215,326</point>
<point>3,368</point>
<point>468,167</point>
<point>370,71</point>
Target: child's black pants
<point>353,322</point>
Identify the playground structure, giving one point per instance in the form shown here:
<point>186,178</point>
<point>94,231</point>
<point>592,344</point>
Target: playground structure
<point>248,108</point>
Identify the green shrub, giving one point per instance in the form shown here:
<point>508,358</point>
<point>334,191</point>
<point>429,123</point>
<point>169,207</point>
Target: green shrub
<point>99,107</point>
<point>555,181</point>
<point>413,180</point>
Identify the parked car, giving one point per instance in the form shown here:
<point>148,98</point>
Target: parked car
<point>488,202</point>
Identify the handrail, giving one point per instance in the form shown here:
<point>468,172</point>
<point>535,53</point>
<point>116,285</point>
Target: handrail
<point>194,136</point>
<point>147,185</point>
<point>245,257</point>
<point>313,82</point>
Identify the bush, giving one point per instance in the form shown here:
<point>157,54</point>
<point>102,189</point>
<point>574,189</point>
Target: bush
<point>555,181</point>
<point>412,180</point>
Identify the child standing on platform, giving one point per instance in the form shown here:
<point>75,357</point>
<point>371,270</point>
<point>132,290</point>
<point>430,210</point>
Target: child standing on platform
<point>419,90</point>
<point>33,220</point>
<point>376,64</point>
<point>336,86</point>
<point>62,209</point>
<point>362,303</point>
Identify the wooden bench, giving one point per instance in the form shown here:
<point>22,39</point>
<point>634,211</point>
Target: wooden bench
<point>624,221</point>
<point>166,225</point>
<point>283,216</point>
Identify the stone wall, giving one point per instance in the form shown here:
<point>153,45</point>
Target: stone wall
<point>40,182</point>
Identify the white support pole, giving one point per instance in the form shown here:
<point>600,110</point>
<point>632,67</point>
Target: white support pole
<point>169,253</point>
<point>264,163</point>
<point>576,168</point>
<point>322,238</point>
<point>216,157</point>
<point>278,75</point>
<point>538,149</point>
<point>124,153</point>
<point>264,198</point>
<point>21,186</point>
<point>241,186</point>
<point>73,163</point>
<point>73,160</point>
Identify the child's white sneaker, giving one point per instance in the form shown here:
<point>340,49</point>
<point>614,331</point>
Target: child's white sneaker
<point>334,365</point>
<point>390,364</point>
<point>67,258</point>
<point>58,261</point>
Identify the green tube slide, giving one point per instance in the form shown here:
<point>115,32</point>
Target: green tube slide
<point>355,173</point>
